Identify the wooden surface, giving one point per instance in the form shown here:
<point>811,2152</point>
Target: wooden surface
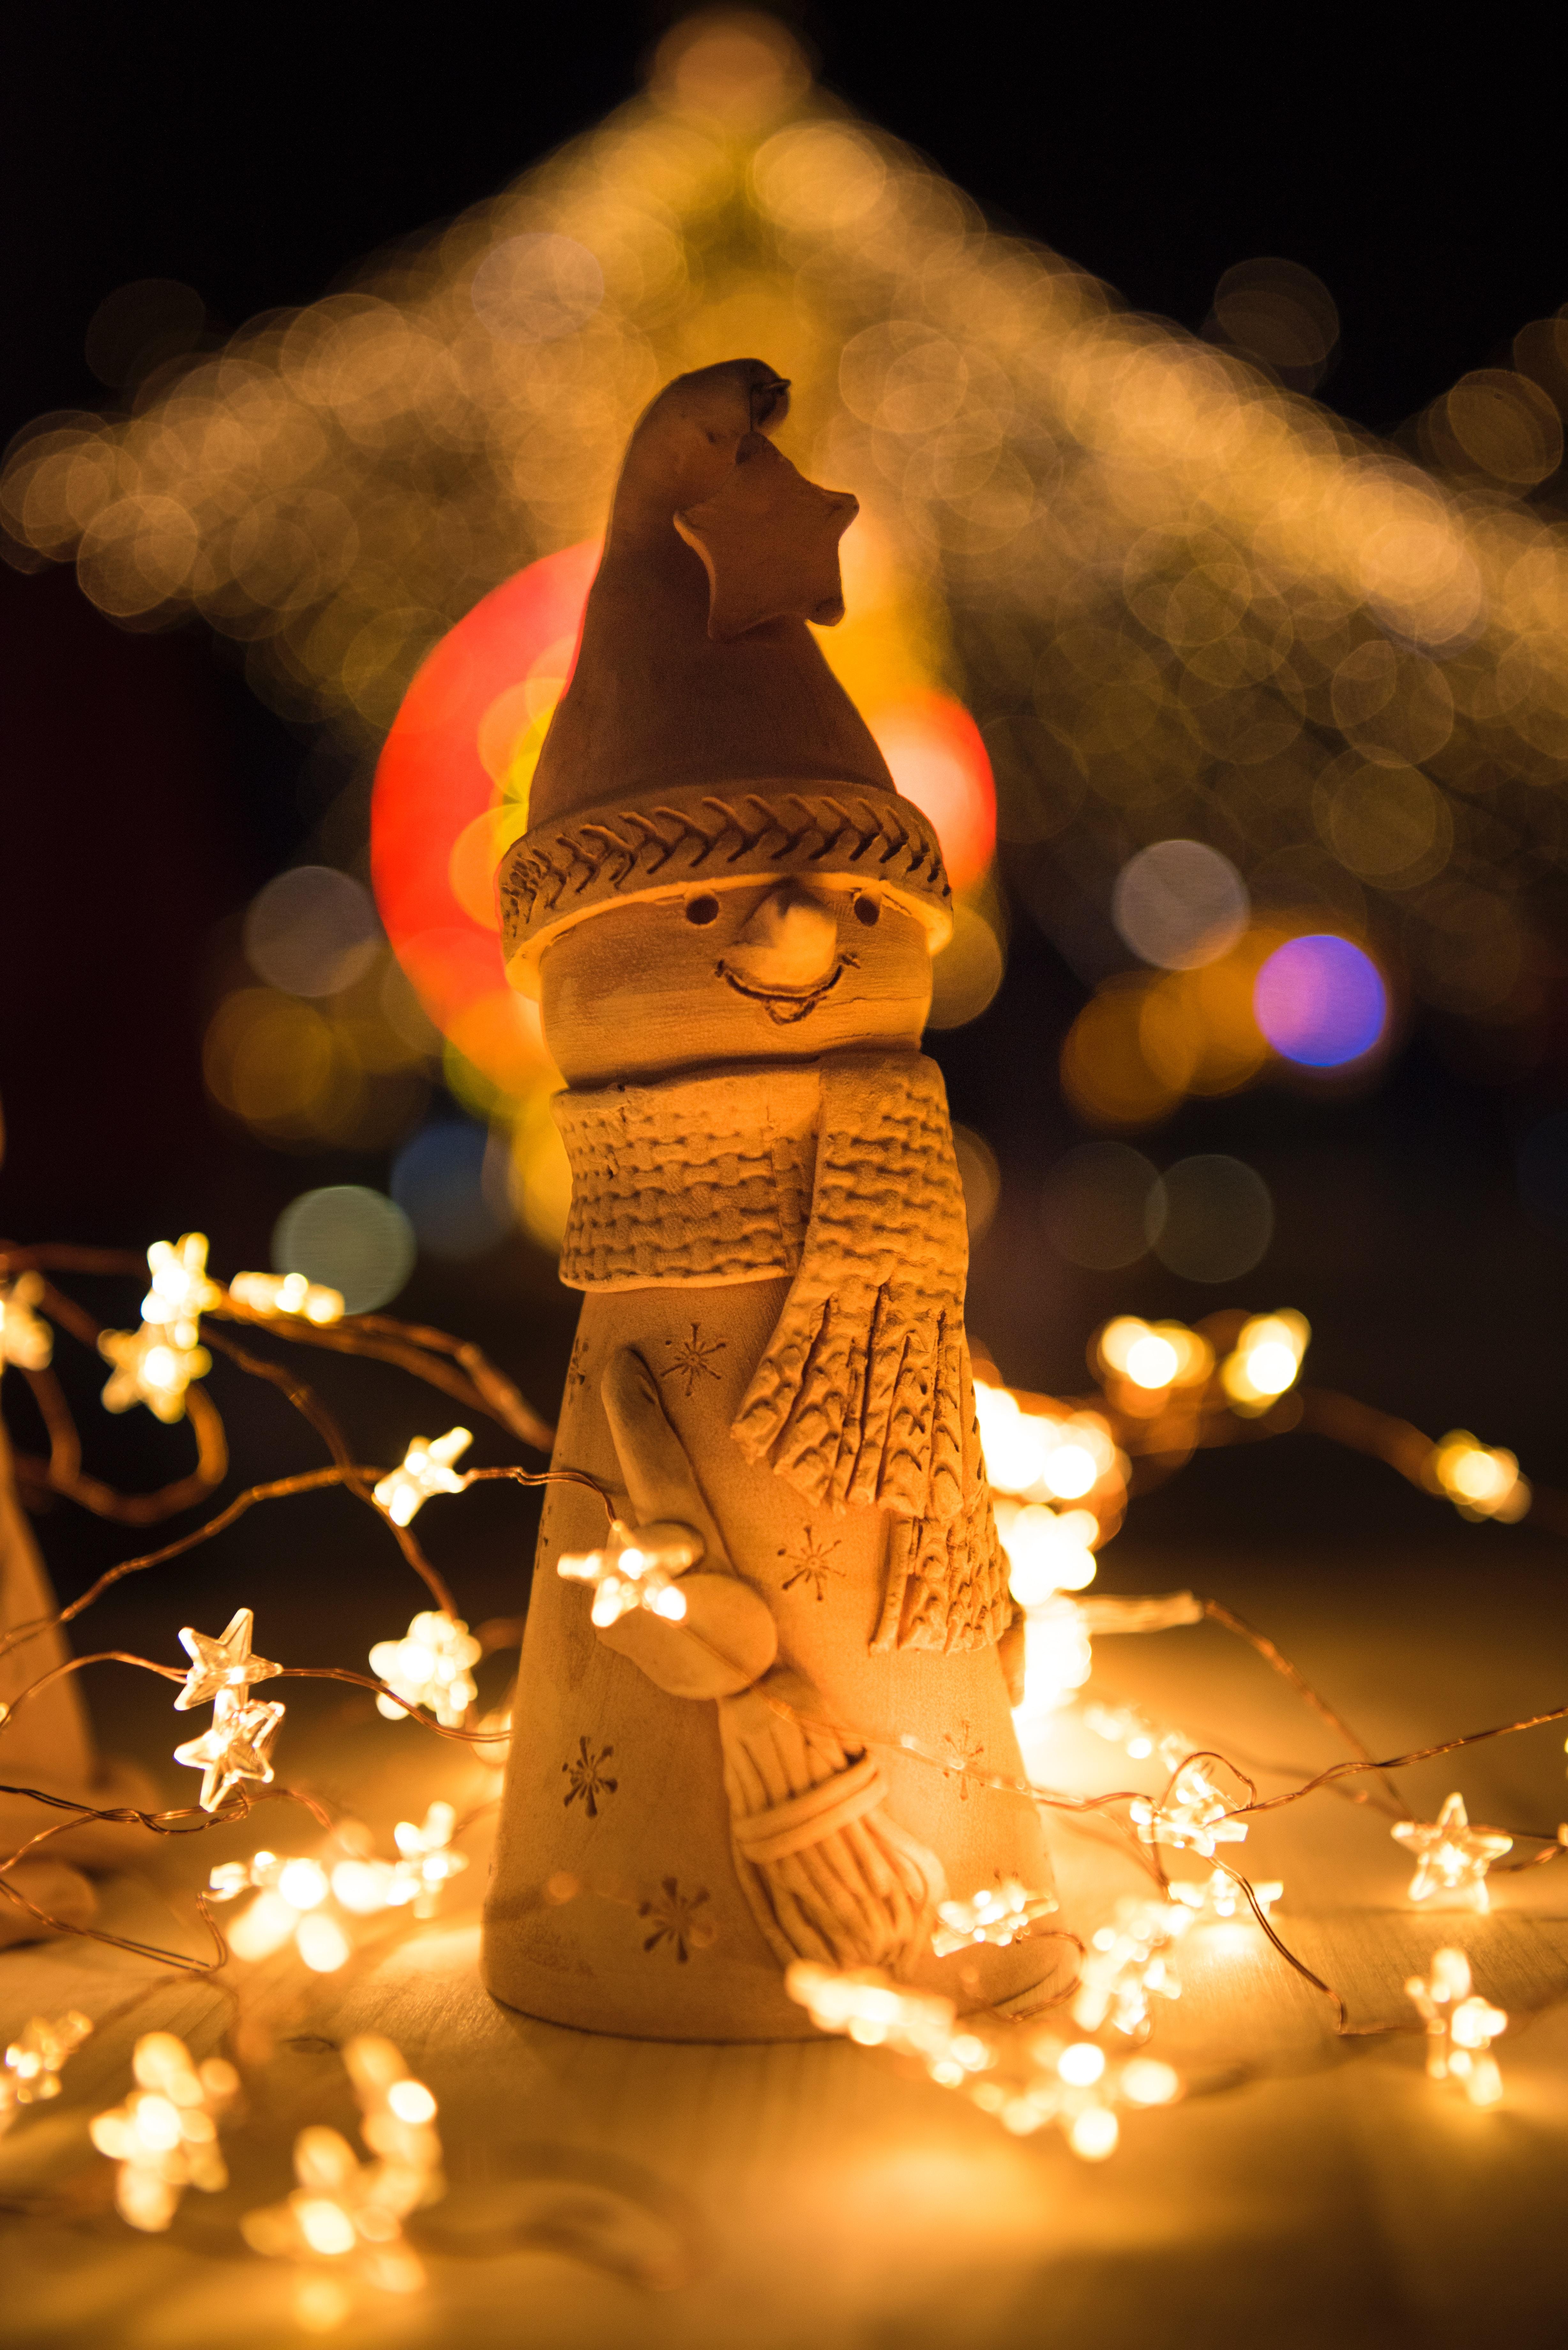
<point>606,2191</point>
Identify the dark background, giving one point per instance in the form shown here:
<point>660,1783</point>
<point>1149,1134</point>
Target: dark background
<point>148,794</point>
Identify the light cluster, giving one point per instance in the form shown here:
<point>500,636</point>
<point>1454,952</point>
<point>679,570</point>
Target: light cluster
<point>1026,2079</point>
<point>1192,1817</point>
<point>156,1363</point>
<point>344,2221</point>
<point>1001,1913</point>
<point>636,1567</point>
<point>1460,2028</point>
<point>1192,603</point>
<point>238,1744</point>
<point>314,1902</point>
<point>1479,1481</point>
<point>289,1293</point>
<point>164,2137</point>
<point>1265,1361</point>
<point>31,2068</point>
<point>1126,1964</point>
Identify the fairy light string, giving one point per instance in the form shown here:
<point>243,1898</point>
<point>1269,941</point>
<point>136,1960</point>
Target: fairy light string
<point>1226,1404</point>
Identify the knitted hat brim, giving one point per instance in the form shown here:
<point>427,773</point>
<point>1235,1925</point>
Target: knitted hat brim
<point>662,844</point>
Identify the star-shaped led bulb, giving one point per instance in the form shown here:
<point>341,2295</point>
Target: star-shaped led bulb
<point>150,1368</point>
<point>180,1291</point>
<point>636,1568</point>
<point>24,1340</point>
<point>235,1747</point>
<point>1451,1857</point>
<point>426,1469</point>
<point>225,1663</point>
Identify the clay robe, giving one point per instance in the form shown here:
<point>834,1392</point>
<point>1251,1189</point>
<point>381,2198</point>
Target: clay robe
<point>728,913</point>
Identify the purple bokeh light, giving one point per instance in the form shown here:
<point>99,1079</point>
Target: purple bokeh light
<point>1320,1000</point>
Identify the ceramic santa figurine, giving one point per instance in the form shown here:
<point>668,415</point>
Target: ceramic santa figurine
<point>758,1720</point>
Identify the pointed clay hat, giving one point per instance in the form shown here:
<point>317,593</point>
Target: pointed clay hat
<point>704,737</point>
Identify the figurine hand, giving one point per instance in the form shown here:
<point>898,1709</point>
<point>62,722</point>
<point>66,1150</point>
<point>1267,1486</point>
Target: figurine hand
<point>726,1637</point>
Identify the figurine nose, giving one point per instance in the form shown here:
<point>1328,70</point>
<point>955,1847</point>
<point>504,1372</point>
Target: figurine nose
<point>791,940</point>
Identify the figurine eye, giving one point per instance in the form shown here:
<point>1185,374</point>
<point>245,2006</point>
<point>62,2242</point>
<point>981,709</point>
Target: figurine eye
<point>702,910</point>
<point>868,909</point>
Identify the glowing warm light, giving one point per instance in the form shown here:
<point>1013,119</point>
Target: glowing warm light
<point>936,758</point>
<point>1125,1964</point>
<point>24,1340</point>
<point>429,1667</point>
<point>636,1568</point>
<point>165,2136</point>
<point>1220,1899</point>
<point>1024,2080</point>
<point>150,1369</point>
<point>1481,1481</point>
<point>1026,1451</point>
<point>236,1747</point>
<point>1154,1356</point>
<point>1001,1913</point>
<point>30,2071</point>
<point>1048,1550</point>
<point>1321,1002</point>
<point>1266,1359</point>
<point>1461,2027</point>
<point>347,2210</point>
<point>225,1663</point>
<point>1451,1857</point>
<point>180,1291</point>
<point>1193,1817</point>
<point>1126,1727</point>
<point>426,1469</point>
<point>1057,1657</point>
<point>287,1292</point>
<point>427,1861</point>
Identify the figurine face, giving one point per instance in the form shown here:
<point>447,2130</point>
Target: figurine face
<point>753,972</point>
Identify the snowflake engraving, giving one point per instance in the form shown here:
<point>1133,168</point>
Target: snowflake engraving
<point>810,1562</point>
<point>691,1355</point>
<point>672,1914</point>
<point>963,1757</point>
<point>587,1773</point>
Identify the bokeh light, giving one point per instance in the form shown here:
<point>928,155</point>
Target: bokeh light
<point>1098,1204</point>
<point>350,1238</point>
<point>1212,1220</point>
<point>1179,904</point>
<point>445,1182</point>
<point>311,932</point>
<point>968,974</point>
<point>1186,602</point>
<point>981,1177</point>
<point>1321,1001</point>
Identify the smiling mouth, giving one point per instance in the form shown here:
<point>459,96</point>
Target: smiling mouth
<point>786,1006</point>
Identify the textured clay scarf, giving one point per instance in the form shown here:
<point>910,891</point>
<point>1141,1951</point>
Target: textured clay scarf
<point>840,1173</point>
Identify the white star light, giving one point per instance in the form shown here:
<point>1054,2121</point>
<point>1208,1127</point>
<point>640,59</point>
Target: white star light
<point>428,1665</point>
<point>24,1340</point>
<point>1451,1857</point>
<point>427,1469</point>
<point>225,1663</point>
<point>636,1568</point>
<point>287,1292</point>
<point>150,1368</point>
<point>180,1291</point>
<point>235,1747</point>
